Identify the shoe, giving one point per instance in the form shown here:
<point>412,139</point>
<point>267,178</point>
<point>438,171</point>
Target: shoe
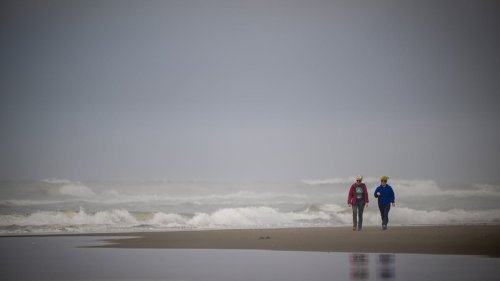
<point>384,227</point>
<point>354,228</point>
<point>359,228</point>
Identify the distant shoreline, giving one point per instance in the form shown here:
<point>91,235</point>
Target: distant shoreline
<point>447,240</point>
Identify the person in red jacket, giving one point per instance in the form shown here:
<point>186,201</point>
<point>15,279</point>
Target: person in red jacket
<point>358,200</point>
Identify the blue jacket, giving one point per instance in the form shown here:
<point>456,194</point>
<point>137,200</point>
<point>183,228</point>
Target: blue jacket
<point>386,195</point>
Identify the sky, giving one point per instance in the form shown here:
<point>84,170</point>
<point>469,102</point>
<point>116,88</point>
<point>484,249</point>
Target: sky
<point>256,90</point>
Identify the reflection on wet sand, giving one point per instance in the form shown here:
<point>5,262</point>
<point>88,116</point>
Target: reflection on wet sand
<point>360,269</point>
<point>385,266</point>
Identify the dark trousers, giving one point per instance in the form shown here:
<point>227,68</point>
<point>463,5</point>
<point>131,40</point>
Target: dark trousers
<point>384,213</point>
<point>357,211</point>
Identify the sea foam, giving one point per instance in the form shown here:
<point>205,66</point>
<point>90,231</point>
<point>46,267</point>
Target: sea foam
<point>262,217</point>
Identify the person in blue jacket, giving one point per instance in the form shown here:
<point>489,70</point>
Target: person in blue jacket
<point>385,196</point>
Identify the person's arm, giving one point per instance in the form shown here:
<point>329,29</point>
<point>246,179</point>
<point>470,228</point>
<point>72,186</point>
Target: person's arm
<point>349,196</point>
<point>393,197</point>
<point>375,193</point>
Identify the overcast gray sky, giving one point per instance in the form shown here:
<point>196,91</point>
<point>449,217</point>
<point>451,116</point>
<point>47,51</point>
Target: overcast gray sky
<point>250,90</point>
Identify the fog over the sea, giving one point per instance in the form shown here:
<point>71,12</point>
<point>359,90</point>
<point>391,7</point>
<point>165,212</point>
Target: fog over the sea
<point>257,90</point>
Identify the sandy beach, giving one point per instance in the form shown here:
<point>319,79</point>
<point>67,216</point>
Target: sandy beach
<point>452,240</point>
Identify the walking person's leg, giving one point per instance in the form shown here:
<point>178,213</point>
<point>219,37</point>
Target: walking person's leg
<point>386,214</point>
<point>384,211</point>
<point>361,208</point>
<point>354,216</point>
<point>381,209</point>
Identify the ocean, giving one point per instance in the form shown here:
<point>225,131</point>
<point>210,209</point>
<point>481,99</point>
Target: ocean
<point>64,206</point>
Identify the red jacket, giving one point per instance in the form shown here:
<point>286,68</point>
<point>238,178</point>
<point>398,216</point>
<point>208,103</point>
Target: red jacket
<point>351,199</point>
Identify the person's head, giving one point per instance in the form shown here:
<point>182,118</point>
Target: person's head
<point>359,179</point>
<point>383,180</point>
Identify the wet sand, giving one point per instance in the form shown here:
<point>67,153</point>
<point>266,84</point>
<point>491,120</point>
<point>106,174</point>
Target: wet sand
<point>452,240</point>
<point>66,258</point>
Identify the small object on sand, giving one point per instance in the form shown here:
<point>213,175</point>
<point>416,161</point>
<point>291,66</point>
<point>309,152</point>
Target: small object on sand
<point>263,238</point>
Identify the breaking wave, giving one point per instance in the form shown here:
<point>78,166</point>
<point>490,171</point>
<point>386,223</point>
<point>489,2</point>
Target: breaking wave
<point>56,181</point>
<point>81,193</point>
<point>419,188</point>
<point>117,220</point>
<point>77,190</point>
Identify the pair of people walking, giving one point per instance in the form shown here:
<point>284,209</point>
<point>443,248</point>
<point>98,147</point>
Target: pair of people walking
<point>358,200</point>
